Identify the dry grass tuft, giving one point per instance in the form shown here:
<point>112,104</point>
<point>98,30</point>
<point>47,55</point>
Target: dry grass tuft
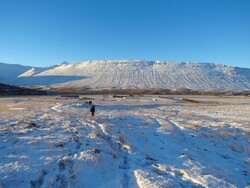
<point>97,150</point>
<point>166,125</point>
<point>60,144</point>
<point>152,121</point>
<point>94,134</point>
<point>194,125</point>
<point>31,125</point>
<point>224,134</point>
<point>161,168</point>
<point>4,108</point>
<point>126,147</point>
<point>190,100</point>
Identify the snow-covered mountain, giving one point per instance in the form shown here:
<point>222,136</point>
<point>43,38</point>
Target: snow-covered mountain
<point>132,74</point>
<point>10,71</point>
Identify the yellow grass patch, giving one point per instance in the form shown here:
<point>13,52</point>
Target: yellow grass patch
<point>194,125</point>
<point>224,133</point>
<point>190,100</point>
<point>94,134</point>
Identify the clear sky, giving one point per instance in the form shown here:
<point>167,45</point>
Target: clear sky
<point>48,32</point>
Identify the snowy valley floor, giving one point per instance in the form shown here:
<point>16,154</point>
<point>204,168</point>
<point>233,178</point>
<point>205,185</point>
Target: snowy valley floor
<point>136,142</point>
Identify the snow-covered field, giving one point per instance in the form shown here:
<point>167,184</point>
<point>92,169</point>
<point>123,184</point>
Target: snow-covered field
<point>136,142</point>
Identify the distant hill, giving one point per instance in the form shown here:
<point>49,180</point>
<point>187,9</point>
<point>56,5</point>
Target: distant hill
<point>14,90</point>
<point>124,74</point>
<point>10,71</point>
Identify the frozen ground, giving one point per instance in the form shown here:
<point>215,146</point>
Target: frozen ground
<point>137,142</point>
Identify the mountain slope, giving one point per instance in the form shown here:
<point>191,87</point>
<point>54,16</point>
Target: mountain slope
<point>140,74</point>
<point>10,71</point>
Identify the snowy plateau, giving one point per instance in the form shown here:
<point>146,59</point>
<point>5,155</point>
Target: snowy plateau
<point>137,142</point>
<point>125,74</point>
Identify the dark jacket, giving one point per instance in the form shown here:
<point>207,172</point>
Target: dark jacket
<point>92,109</point>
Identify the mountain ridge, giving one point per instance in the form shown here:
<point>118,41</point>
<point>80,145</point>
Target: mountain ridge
<point>136,74</point>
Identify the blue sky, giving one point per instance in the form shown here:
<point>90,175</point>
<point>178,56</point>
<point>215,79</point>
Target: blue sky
<point>47,32</point>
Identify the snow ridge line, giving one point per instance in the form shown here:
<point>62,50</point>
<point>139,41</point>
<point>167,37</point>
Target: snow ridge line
<point>137,74</point>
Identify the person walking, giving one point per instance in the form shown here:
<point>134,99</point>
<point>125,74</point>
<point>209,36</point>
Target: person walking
<point>92,110</point>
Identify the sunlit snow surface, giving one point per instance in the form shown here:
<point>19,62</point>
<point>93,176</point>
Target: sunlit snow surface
<point>130,75</point>
<point>136,142</point>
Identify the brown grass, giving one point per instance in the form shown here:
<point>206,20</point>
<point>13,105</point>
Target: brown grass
<point>194,125</point>
<point>126,147</point>
<point>224,134</point>
<point>4,108</point>
<point>190,100</point>
<point>97,150</point>
<point>95,134</point>
<point>31,125</point>
<point>25,105</point>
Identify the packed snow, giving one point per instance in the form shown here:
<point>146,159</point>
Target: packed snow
<point>137,74</point>
<point>144,142</point>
